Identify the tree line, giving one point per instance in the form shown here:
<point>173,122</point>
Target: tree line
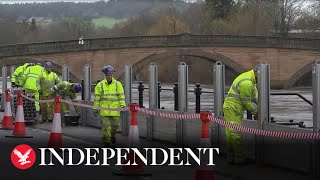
<point>298,18</point>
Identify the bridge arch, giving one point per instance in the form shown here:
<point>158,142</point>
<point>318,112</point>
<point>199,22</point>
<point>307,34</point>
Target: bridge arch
<point>299,75</point>
<point>211,57</point>
<point>56,67</point>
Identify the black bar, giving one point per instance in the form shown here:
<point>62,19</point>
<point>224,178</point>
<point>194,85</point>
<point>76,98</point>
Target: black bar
<point>140,89</point>
<point>249,115</point>
<point>82,91</point>
<point>159,90</point>
<point>175,92</point>
<point>197,92</point>
<point>299,95</point>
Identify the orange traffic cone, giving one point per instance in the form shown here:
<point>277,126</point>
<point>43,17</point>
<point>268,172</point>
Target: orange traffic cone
<point>7,122</point>
<point>55,140</point>
<point>19,130</point>
<point>133,141</point>
<point>205,172</point>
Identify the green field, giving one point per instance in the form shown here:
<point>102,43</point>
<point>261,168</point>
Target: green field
<point>106,22</point>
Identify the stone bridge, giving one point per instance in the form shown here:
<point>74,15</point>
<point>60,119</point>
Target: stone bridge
<point>290,58</point>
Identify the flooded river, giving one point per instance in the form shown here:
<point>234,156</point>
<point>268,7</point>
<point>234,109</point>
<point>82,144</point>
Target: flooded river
<point>282,107</point>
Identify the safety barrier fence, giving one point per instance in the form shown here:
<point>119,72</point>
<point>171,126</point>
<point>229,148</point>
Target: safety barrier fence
<point>290,135</point>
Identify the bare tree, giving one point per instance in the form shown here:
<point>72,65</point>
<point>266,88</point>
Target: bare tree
<point>198,18</point>
<point>169,15</point>
<point>284,13</point>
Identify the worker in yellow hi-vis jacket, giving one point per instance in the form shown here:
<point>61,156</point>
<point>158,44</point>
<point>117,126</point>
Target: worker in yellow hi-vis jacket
<point>46,80</point>
<point>17,75</point>
<point>30,78</point>
<point>109,93</point>
<point>242,96</point>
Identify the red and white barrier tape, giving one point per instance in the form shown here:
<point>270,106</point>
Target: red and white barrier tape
<point>261,132</point>
<point>169,115</point>
<point>241,128</point>
<point>40,101</point>
<point>93,107</point>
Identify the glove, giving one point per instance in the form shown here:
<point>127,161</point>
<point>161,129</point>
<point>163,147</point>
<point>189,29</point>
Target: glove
<point>96,112</point>
<point>53,89</point>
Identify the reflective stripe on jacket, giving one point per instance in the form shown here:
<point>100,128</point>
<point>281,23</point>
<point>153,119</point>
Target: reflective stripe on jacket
<point>243,94</point>
<point>46,81</point>
<point>30,77</point>
<point>109,96</point>
<point>17,75</point>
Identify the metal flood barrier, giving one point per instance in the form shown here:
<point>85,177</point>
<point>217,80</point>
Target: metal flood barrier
<point>125,121</point>
<point>4,85</point>
<point>217,131</point>
<point>299,155</point>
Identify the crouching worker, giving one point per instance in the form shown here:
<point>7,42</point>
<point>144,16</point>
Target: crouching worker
<point>67,90</point>
<point>109,93</point>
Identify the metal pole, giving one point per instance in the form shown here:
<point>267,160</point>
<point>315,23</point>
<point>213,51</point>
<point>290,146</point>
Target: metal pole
<point>316,115</point>
<point>153,96</point>
<point>128,96</point>
<point>141,89</point>
<point>264,94</point>
<point>128,84</point>
<point>87,85</point>
<point>159,90</point>
<point>183,87</point>
<point>183,82</point>
<point>219,87</point>
<point>316,95</point>
<point>65,72</point>
<point>4,85</point>
<point>176,99</point>
<point>197,92</point>
<point>12,69</point>
<point>263,106</point>
<point>82,91</point>
<point>153,86</point>
<point>219,95</point>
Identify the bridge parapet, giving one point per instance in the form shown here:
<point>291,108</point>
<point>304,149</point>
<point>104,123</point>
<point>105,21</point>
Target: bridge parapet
<point>180,40</point>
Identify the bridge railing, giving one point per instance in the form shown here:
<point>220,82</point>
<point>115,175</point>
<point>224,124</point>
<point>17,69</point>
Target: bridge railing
<point>180,40</point>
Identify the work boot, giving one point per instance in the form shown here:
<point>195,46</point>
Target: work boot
<point>113,140</point>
